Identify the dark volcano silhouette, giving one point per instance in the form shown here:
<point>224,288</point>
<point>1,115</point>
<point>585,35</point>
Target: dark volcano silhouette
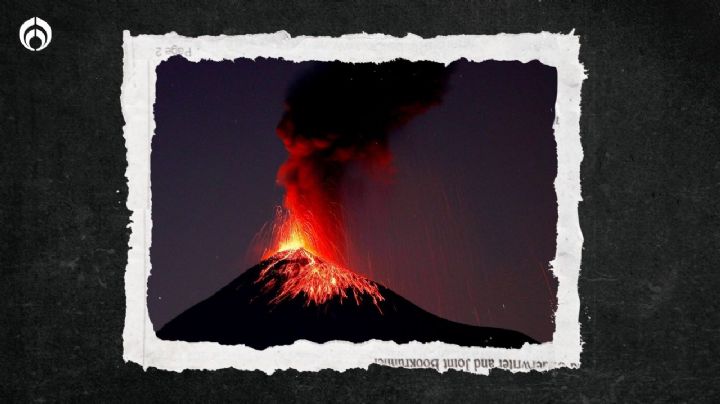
<point>242,313</point>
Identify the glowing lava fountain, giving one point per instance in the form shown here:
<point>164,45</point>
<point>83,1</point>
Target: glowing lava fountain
<point>298,265</point>
<point>297,272</point>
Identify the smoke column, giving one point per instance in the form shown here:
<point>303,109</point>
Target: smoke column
<point>338,114</point>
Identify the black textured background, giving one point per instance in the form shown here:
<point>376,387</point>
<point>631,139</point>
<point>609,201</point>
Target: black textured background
<point>650,216</point>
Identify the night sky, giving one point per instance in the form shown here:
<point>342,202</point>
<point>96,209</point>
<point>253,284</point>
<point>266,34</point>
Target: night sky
<point>465,228</point>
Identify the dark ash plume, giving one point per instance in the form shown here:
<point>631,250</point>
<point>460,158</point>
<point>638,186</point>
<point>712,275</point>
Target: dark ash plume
<point>340,113</point>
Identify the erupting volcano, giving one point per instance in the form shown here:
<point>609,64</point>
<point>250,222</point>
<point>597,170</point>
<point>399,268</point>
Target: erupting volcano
<point>295,269</point>
<point>337,115</point>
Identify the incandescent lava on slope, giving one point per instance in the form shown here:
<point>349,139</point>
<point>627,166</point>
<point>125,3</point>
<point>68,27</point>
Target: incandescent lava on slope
<point>295,272</point>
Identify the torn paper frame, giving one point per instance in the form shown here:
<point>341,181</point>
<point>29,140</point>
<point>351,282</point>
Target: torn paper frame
<point>143,53</point>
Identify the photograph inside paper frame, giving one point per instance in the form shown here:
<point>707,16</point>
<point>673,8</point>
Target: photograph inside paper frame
<point>310,204</point>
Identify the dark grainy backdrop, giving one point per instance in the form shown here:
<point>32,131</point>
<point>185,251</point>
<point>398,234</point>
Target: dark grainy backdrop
<point>649,217</point>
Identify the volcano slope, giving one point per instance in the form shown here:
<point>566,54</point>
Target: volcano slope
<point>248,311</point>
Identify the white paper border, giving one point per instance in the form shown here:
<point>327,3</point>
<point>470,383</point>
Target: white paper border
<point>143,53</point>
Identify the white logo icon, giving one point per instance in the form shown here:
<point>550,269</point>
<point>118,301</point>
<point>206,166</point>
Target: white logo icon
<point>38,29</point>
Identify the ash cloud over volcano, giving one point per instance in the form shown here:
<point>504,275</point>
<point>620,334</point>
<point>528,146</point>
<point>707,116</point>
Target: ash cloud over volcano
<point>343,113</point>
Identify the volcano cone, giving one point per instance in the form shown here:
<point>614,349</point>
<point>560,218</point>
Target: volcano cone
<point>297,296</point>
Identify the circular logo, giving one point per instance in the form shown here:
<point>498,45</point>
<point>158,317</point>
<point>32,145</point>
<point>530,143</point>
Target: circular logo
<point>35,34</point>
